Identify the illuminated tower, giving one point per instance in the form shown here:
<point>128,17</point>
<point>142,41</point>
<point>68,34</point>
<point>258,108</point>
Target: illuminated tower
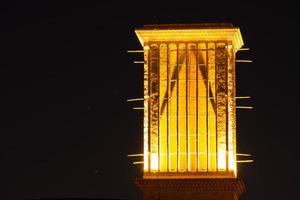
<point>189,111</point>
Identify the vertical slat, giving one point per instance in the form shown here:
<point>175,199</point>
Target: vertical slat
<point>158,108</point>
<point>146,110</point>
<point>173,106</point>
<point>154,104</point>
<point>149,112</point>
<point>212,109</point>
<point>227,110</point>
<point>207,110</point>
<point>182,107</point>
<point>192,107</point>
<point>221,90</point>
<point>234,114</point>
<point>167,105</point>
<point>202,99</point>
<point>197,109</point>
<point>177,112</point>
<point>163,92</point>
<point>231,108</point>
<point>187,105</point>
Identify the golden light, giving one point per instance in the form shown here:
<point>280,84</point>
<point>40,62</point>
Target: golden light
<point>189,100</point>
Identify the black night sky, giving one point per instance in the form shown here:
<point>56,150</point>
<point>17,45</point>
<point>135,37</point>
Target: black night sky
<point>66,127</point>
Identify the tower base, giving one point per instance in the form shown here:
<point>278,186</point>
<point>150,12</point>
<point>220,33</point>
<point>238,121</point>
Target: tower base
<point>191,189</point>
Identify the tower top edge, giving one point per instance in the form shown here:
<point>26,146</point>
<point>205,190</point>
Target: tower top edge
<point>190,32</point>
<point>186,26</point>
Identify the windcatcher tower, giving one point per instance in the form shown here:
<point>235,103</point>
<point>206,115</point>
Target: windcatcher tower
<point>190,112</point>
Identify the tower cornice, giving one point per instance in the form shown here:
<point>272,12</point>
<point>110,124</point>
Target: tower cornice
<point>181,33</point>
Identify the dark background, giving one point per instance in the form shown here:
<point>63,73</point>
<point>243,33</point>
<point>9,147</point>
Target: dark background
<point>66,127</point>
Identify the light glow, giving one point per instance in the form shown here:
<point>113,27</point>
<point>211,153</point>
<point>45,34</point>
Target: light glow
<point>189,101</point>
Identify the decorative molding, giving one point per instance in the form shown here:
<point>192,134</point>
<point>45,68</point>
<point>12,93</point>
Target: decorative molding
<point>185,34</point>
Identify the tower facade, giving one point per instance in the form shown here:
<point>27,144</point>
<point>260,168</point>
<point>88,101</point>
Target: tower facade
<point>189,111</point>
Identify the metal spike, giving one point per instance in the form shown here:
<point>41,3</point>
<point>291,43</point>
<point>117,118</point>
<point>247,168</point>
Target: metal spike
<point>244,107</point>
<point>243,97</point>
<point>138,162</point>
<point>244,161</point>
<point>135,155</point>
<point>138,62</point>
<point>244,61</point>
<point>135,51</point>
<point>243,154</point>
<point>138,108</point>
<point>136,99</point>
<point>244,49</point>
